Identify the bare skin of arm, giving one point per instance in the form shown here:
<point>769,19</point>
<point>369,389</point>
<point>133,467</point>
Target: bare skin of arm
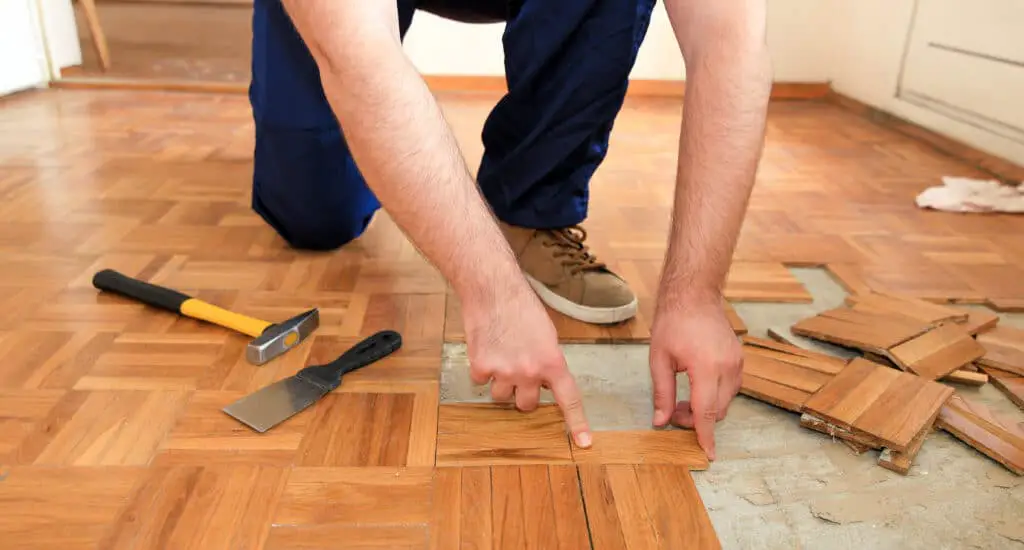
<point>409,157</point>
<point>728,82</point>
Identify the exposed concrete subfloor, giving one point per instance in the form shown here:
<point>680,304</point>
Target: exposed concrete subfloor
<point>778,485</point>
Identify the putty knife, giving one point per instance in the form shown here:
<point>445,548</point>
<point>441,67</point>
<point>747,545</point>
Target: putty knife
<point>281,400</point>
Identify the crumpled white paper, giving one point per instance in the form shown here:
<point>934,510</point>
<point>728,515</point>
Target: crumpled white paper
<point>971,195</point>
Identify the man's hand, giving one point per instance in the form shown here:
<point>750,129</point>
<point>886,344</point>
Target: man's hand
<point>514,346</point>
<point>695,337</point>
<point>728,82</point>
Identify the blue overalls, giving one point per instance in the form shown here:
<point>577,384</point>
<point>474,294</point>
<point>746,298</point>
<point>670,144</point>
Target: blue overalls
<point>567,64</point>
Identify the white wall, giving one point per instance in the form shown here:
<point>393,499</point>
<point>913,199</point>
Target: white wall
<point>869,41</point>
<point>22,62</point>
<point>795,35</point>
<point>61,32</point>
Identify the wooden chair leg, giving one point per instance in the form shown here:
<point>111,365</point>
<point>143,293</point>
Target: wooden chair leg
<point>99,39</point>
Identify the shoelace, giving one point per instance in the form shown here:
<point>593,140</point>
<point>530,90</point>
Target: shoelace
<point>576,255</point>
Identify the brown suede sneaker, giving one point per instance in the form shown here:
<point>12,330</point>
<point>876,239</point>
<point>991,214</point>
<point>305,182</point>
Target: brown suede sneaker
<point>568,277</point>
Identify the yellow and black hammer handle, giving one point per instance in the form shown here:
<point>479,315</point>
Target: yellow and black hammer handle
<point>176,302</point>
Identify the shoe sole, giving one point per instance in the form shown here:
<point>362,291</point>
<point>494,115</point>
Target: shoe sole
<point>587,314</point>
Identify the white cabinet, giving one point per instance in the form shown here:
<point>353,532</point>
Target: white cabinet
<point>965,60</point>
<point>22,61</point>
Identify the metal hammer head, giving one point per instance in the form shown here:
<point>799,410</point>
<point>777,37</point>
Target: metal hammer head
<point>281,337</point>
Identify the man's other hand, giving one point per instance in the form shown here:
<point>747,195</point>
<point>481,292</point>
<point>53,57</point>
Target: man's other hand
<point>694,336</point>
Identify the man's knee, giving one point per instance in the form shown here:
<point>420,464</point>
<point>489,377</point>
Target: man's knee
<point>324,229</point>
<point>307,187</point>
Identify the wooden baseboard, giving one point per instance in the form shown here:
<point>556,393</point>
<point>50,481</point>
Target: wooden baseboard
<point>998,167</point>
<point>75,79</point>
<point>146,84</point>
<point>637,87</point>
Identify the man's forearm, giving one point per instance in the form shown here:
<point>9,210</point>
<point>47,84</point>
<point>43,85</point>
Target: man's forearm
<point>728,83</point>
<point>403,145</point>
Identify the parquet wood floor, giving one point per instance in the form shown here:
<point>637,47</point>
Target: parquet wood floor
<point>110,412</point>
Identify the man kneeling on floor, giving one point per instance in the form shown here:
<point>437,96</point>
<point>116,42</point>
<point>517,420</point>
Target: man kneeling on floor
<point>346,124</point>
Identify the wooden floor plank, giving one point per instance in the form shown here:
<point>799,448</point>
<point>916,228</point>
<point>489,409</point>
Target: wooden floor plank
<point>905,306</point>
<point>1012,385</point>
<point>977,426</point>
<point>980,321</point>
<point>866,331</point>
<point>73,508</point>
<point>764,282</point>
<point>644,506</point>
<point>111,428</point>
<point>205,435</point>
<point>189,507</point>
<point>508,507</point>
<point>358,429</point>
<point>358,496</point>
<point>937,352</point>
<point>1004,349</point>
<point>888,406</point>
<point>493,434</point>
<point>679,447</point>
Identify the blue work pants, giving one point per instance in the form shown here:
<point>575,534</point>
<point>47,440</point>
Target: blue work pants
<point>567,64</point>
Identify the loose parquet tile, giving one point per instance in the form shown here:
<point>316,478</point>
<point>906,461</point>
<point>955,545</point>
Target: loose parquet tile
<point>473,434</point>
<point>980,321</point>
<point>889,406</point>
<point>791,353</point>
<point>670,446</point>
<point>966,376</point>
<point>937,352</point>
<point>899,462</point>
<point>859,329</point>
<point>195,507</point>
<point>644,506</point>
<point>913,308</point>
<point>857,443</point>
<point>784,375</point>
<point>977,426</point>
<point>1011,384</point>
<point>1004,349</point>
<point>1009,304</point>
<point>508,507</point>
<point>735,321</point>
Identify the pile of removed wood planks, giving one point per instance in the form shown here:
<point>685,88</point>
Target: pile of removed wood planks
<point>903,382</point>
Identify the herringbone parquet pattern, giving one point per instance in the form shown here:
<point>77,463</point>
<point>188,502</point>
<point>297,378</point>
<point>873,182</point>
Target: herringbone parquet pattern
<point>110,412</point>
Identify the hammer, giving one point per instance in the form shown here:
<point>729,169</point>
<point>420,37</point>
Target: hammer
<point>269,339</point>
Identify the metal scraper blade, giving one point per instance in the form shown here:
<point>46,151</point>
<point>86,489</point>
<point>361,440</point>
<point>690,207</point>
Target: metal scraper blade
<point>275,403</point>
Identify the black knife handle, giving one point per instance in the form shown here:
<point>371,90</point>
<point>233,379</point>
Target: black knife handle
<point>147,293</point>
<point>362,354</point>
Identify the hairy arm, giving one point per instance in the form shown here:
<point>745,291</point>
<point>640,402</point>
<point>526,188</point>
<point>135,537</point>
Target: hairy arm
<point>728,82</point>
<point>403,145</point>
